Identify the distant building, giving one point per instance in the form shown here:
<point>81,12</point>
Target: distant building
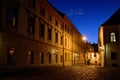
<point>32,32</point>
<point>92,56</point>
<point>109,41</point>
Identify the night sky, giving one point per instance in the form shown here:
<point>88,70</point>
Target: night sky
<point>87,15</point>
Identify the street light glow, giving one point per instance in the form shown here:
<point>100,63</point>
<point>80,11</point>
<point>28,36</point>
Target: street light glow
<point>84,38</point>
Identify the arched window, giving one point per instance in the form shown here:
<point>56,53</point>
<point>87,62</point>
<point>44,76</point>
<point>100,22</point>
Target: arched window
<point>112,37</point>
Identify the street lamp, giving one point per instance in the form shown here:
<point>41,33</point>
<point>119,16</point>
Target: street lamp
<point>84,38</point>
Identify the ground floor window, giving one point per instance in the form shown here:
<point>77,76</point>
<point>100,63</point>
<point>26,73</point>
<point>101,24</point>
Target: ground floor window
<point>113,55</point>
<point>30,57</point>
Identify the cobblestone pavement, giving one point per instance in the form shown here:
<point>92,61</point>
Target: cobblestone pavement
<point>68,73</point>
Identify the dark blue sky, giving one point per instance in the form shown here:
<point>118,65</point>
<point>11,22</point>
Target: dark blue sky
<point>87,15</point>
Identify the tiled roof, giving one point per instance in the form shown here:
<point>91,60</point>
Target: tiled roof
<point>114,19</point>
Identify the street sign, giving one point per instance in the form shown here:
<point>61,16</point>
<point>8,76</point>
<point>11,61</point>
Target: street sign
<point>12,51</point>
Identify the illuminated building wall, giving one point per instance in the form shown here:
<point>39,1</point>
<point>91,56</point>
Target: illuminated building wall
<point>34,32</point>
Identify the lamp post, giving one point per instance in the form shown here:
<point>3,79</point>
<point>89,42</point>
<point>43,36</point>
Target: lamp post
<point>84,49</point>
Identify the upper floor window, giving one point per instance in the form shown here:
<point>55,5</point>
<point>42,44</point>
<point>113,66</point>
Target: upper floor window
<point>50,18</point>
<point>42,30</point>
<point>56,23</point>
<point>42,11</point>
<point>12,15</point>
<point>62,26</point>
<point>49,33</point>
<point>56,37</point>
<point>31,24</point>
<point>112,37</point>
<point>32,3</point>
<point>61,40</point>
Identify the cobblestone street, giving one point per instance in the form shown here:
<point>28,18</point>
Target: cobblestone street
<point>67,73</point>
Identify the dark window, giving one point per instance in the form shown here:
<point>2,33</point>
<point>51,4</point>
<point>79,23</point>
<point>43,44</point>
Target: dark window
<point>31,24</point>
<point>68,30</point>
<point>49,34</point>
<point>56,37</point>
<point>113,55</point>
<point>61,40</point>
<point>49,58</point>
<point>50,18</point>
<point>12,16</point>
<point>65,27</point>
<point>62,26</point>
<point>65,56</point>
<point>65,42</point>
<point>42,11</point>
<point>56,58</point>
<point>56,23</point>
<point>32,3</point>
<point>42,58</point>
<point>61,58</point>
<point>41,30</point>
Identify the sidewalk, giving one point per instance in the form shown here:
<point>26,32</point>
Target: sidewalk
<point>8,70</point>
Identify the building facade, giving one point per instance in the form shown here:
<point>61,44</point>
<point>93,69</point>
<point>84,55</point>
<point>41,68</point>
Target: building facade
<point>109,41</point>
<point>32,32</point>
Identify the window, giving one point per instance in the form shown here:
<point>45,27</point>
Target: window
<point>50,18</point>
<point>65,27</point>
<point>49,34</point>
<point>49,58</point>
<point>56,37</point>
<point>61,58</point>
<point>31,24</point>
<point>113,55</point>
<point>30,57</point>
<point>62,26</point>
<point>65,56</point>
<point>41,30</point>
<point>112,37</point>
<point>32,3</point>
<point>65,42</point>
<point>42,58</point>
<point>56,58</point>
<point>42,11</point>
<point>56,23</point>
<point>61,40</point>
<point>12,15</point>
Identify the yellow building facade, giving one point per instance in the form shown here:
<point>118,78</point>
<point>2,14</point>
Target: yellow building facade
<point>32,32</point>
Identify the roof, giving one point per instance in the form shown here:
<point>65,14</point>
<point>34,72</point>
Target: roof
<point>114,19</point>
<point>60,13</point>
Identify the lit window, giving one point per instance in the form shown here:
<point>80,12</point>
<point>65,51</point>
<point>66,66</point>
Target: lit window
<point>112,37</point>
